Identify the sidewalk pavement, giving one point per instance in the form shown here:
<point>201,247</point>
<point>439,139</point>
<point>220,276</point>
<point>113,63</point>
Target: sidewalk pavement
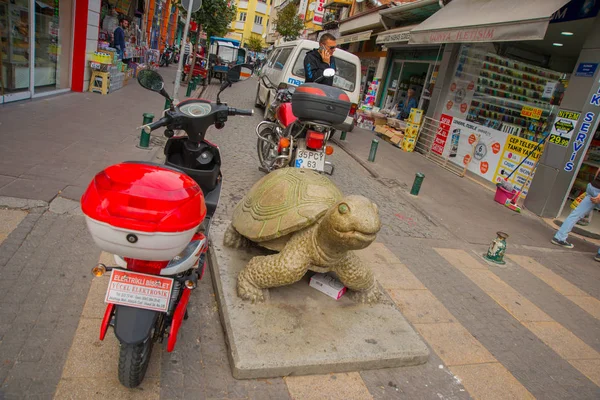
<point>57,144</point>
<point>465,206</point>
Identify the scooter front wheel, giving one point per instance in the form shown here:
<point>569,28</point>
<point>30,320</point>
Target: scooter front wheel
<point>133,362</point>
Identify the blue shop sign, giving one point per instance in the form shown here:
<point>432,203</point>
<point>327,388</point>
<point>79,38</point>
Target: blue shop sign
<point>586,69</point>
<point>576,9</point>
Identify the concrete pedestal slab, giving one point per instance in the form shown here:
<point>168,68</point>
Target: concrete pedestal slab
<point>301,331</point>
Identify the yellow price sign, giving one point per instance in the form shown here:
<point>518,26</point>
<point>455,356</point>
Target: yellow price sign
<point>561,141</point>
<point>531,112</point>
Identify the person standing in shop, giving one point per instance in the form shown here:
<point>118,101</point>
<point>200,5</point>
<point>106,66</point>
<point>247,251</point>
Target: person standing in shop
<point>187,49</point>
<point>410,102</point>
<point>587,205</point>
<point>120,37</point>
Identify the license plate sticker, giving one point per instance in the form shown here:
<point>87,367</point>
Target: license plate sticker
<point>138,290</point>
<point>310,159</point>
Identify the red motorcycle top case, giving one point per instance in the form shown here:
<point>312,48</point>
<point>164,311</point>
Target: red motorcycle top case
<point>143,211</point>
<point>285,116</point>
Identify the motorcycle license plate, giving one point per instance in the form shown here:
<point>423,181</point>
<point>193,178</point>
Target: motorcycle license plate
<point>310,159</point>
<point>138,290</point>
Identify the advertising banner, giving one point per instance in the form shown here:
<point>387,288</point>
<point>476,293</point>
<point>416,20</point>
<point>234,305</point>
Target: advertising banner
<point>514,151</point>
<point>563,127</point>
<point>474,146</point>
<point>442,134</point>
<point>302,9</point>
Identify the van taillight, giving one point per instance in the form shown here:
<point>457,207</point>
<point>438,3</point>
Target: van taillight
<point>146,267</point>
<point>314,140</point>
<point>353,108</point>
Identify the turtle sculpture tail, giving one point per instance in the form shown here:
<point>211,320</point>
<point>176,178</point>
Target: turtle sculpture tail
<point>234,240</point>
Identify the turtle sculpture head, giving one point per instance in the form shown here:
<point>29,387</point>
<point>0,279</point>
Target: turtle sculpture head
<point>351,224</point>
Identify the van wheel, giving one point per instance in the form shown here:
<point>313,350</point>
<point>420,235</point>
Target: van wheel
<point>257,99</point>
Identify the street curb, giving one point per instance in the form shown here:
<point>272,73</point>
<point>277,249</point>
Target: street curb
<point>364,164</point>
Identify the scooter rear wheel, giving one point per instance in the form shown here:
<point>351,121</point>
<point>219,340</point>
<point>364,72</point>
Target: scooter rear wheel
<point>133,362</point>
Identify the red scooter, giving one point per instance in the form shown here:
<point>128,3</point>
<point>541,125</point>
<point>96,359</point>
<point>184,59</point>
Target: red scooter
<point>155,219</point>
<point>299,125</point>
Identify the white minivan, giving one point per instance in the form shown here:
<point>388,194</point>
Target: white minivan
<point>285,65</point>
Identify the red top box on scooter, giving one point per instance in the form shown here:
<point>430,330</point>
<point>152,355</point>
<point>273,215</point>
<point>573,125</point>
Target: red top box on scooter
<point>320,103</point>
<point>143,211</point>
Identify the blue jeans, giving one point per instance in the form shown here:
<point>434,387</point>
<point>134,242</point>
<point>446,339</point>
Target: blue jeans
<point>584,208</point>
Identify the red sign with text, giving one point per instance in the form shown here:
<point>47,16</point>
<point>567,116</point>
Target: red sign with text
<point>442,134</point>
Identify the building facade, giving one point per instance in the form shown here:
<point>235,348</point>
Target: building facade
<point>252,20</point>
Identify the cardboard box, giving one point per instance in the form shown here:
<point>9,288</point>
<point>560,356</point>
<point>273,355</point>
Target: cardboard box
<point>328,284</point>
<point>415,116</point>
<point>396,139</point>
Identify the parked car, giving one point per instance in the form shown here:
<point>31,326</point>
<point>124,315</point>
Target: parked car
<point>285,67</point>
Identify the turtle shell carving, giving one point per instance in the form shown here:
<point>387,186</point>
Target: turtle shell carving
<point>282,202</point>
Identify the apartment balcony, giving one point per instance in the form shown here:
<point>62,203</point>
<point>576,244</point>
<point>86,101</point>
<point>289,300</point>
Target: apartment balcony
<point>239,25</point>
<point>261,8</point>
<point>242,5</point>
<point>258,29</point>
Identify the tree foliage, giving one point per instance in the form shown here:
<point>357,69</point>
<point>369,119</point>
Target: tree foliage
<point>289,24</point>
<point>254,43</point>
<point>214,16</point>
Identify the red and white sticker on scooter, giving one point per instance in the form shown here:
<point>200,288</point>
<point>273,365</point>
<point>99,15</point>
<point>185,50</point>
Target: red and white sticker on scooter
<point>138,290</point>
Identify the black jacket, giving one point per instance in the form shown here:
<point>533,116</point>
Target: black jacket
<point>314,67</point>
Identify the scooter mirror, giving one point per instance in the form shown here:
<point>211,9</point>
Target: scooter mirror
<point>239,72</point>
<point>151,80</point>
<point>329,72</point>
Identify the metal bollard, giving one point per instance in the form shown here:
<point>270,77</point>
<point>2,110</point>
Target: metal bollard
<point>188,91</point>
<point>167,104</point>
<point>373,152</point>
<point>343,135</point>
<point>193,84</point>
<point>145,136</point>
<point>417,184</point>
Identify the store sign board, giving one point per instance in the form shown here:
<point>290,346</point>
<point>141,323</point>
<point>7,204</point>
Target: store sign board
<point>516,150</point>
<point>357,37</point>
<point>302,9</point>
<point>563,127</point>
<point>319,12</point>
<point>393,37</point>
<point>586,70</point>
<point>531,112</point>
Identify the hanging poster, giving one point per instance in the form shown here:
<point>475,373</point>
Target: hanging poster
<point>563,127</point>
<point>515,150</point>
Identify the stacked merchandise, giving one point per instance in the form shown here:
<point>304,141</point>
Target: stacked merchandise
<point>371,95</point>
<point>116,78</point>
<point>411,133</point>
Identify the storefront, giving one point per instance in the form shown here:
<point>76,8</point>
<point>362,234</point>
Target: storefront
<point>507,85</point>
<point>35,48</point>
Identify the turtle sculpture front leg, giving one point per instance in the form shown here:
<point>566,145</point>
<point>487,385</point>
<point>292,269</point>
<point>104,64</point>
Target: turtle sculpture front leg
<point>263,272</point>
<point>357,277</point>
<point>233,239</point>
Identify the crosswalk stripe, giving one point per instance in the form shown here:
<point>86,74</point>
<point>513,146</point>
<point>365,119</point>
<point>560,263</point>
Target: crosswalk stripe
<point>588,303</point>
<point>478,370</point>
<point>554,335</point>
<point>90,371</point>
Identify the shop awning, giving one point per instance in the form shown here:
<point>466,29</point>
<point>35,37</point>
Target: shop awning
<point>360,22</point>
<point>397,35</point>
<point>332,4</point>
<point>355,37</point>
<point>465,21</point>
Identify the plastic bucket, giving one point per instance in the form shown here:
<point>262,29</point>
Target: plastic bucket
<point>502,195</point>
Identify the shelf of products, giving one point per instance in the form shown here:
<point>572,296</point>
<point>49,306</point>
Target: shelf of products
<point>504,87</point>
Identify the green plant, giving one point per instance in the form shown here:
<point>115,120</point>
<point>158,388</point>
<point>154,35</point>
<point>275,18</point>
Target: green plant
<point>289,24</point>
<point>254,43</point>
<point>214,16</point>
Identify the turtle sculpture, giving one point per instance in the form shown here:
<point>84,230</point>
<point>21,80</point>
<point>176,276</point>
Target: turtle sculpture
<point>304,216</point>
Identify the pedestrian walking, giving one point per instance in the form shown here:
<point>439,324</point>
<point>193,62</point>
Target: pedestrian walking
<point>187,49</point>
<point>587,205</point>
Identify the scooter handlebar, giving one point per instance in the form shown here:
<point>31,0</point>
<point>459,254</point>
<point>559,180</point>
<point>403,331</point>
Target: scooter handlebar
<point>157,124</point>
<point>237,111</point>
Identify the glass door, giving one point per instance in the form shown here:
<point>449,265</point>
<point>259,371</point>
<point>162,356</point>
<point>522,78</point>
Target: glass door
<point>15,50</point>
<point>393,85</point>
<point>52,45</point>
